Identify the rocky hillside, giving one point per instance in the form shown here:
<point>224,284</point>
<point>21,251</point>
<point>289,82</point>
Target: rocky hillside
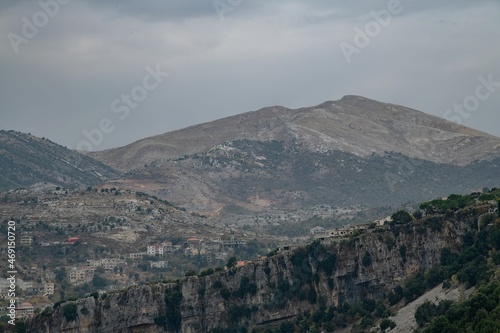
<point>26,160</point>
<point>262,177</point>
<point>353,124</point>
<point>340,153</point>
<point>285,286</point>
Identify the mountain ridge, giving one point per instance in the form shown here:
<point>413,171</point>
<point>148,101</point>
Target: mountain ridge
<point>352,124</point>
<point>26,160</point>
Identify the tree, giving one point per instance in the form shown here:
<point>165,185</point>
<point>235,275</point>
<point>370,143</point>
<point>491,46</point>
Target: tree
<point>60,275</point>
<point>225,293</point>
<point>387,323</point>
<point>286,328</point>
<point>99,282</point>
<point>190,272</point>
<point>424,313</point>
<point>231,262</point>
<point>367,259</point>
<point>70,311</point>
<point>418,214</point>
<point>401,217</point>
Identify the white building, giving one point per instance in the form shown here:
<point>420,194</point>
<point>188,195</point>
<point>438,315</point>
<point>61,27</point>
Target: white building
<point>48,288</point>
<point>317,230</point>
<point>81,274</point>
<point>159,264</point>
<point>168,247</point>
<point>107,263</point>
<point>26,240</point>
<point>155,250</point>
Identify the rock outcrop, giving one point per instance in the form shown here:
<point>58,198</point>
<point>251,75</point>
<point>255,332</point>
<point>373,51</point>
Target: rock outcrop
<point>277,288</point>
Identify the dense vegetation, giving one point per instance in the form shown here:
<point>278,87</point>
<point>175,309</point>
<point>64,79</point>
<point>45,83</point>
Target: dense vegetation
<point>480,313</point>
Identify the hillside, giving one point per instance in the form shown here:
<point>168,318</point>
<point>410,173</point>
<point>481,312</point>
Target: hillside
<point>26,160</point>
<point>109,223</point>
<point>353,124</point>
<point>326,285</point>
<point>264,177</point>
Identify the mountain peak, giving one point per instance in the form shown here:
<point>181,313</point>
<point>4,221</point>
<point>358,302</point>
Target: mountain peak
<point>353,124</point>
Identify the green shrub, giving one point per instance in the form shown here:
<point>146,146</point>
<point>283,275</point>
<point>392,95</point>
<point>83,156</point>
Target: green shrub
<point>173,299</point>
<point>47,312</point>
<point>402,252</point>
<point>401,217</point>
<point>367,259</point>
<point>387,323</point>
<point>70,311</point>
<point>225,293</point>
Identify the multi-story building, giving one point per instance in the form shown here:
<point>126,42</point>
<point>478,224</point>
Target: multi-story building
<point>4,288</point>
<point>193,242</point>
<point>108,263</point>
<point>191,251</point>
<point>25,285</point>
<point>168,247</point>
<point>317,230</point>
<point>48,288</point>
<point>159,264</point>
<point>81,274</point>
<point>155,250</point>
<point>233,243</point>
<point>24,310</point>
<point>28,240</point>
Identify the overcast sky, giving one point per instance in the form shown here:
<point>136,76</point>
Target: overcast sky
<point>75,69</point>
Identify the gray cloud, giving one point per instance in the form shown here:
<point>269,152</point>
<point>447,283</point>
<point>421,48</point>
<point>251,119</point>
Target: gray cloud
<point>65,79</point>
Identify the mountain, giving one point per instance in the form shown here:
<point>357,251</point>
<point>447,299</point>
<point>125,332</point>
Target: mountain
<point>340,153</point>
<point>324,286</point>
<point>353,124</point>
<point>26,160</point>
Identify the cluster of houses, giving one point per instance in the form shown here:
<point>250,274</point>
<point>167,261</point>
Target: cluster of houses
<point>191,247</point>
<point>25,309</point>
<point>337,234</point>
<point>85,273</point>
<point>28,287</point>
<point>69,241</point>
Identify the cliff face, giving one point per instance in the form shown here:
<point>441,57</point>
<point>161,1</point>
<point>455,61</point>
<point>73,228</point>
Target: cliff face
<point>277,288</point>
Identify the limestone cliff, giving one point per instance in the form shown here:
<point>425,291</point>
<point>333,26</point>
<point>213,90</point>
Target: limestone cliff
<point>280,287</point>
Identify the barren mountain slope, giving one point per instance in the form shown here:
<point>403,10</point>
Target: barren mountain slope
<point>268,176</point>
<point>353,124</point>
